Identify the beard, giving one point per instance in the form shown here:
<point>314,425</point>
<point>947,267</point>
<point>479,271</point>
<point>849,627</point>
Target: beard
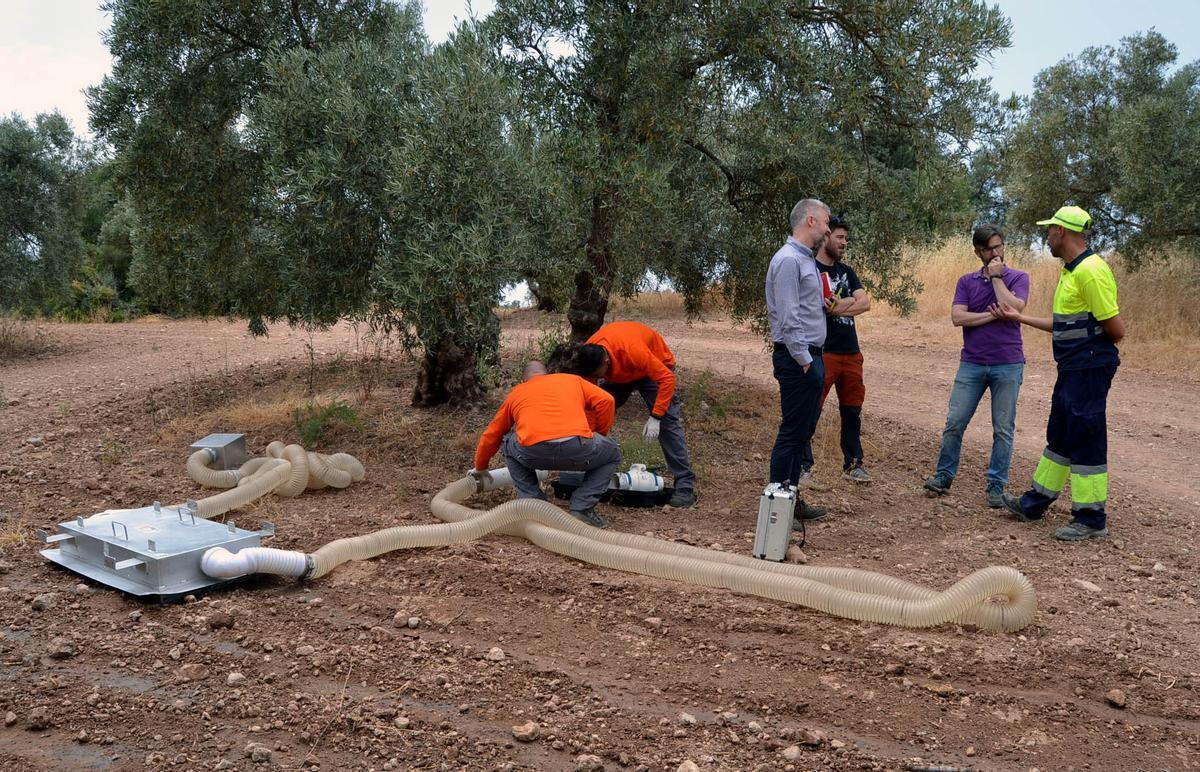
<point>817,246</point>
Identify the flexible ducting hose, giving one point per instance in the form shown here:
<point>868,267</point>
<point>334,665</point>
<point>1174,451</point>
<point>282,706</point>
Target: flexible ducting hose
<point>197,468</point>
<point>222,563</point>
<point>994,598</point>
<point>286,470</point>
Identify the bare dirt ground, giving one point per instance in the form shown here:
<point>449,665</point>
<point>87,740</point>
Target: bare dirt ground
<point>617,671</point>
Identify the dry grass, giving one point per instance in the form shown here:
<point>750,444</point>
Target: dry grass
<point>13,530</point>
<point>1162,323</point>
<point>647,305</point>
<point>266,415</point>
<point>19,338</point>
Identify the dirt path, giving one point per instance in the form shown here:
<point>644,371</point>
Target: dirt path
<point>1154,422</point>
<point>617,671</point>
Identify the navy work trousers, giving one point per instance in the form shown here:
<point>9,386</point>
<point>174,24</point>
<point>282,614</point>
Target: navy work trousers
<point>800,402</point>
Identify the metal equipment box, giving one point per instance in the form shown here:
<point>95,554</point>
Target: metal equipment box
<point>774,530</point>
<point>150,551</point>
<point>229,448</point>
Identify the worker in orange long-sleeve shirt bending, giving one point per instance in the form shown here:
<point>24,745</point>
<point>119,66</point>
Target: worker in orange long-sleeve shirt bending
<point>627,357</point>
<point>555,422</point>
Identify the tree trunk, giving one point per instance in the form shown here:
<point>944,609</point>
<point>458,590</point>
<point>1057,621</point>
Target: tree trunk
<point>448,376</point>
<point>545,301</point>
<point>594,282</point>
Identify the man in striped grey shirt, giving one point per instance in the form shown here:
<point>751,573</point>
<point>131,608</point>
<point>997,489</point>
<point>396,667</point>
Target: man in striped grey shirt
<point>796,314</point>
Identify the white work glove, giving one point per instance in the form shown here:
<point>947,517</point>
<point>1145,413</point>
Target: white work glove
<point>476,474</point>
<point>650,431</point>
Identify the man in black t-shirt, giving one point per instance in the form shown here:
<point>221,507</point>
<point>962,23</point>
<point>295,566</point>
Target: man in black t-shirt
<point>843,359</point>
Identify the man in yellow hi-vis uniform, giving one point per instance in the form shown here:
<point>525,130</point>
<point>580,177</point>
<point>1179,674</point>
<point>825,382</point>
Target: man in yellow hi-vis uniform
<point>1086,327</point>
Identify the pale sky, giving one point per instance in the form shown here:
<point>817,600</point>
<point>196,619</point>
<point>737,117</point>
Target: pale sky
<point>50,50</point>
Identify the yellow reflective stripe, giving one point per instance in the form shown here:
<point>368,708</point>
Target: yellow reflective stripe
<point>1050,476</point>
<point>1089,488</point>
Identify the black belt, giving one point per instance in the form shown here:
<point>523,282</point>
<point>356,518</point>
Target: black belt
<point>812,350</point>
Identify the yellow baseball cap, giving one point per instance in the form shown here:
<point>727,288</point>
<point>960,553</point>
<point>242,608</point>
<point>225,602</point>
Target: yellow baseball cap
<point>1072,218</point>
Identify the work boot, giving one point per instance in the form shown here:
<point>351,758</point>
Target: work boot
<point>806,512</point>
<point>857,473</point>
<point>682,498</point>
<point>807,479</point>
<point>1079,532</point>
<point>1013,505</point>
<point>589,517</point>
<point>995,495</point>
<point>939,484</point>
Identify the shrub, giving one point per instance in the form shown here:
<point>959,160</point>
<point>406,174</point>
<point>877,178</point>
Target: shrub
<point>313,419</point>
<point>19,338</point>
<point>701,398</point>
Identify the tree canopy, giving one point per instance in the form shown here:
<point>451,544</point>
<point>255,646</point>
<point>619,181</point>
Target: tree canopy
<point>1115,131</point>
<point>690,129</point>
<point>312,161</point>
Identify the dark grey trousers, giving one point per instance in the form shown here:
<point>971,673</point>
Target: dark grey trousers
<point>670,430</point>
<point>597,456</point>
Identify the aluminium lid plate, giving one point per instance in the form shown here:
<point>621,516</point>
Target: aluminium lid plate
<point>147,551</point>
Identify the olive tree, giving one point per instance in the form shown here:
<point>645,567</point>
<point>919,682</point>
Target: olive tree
<point>185,80</point>
<point>1117,131</point>
<point>690,128</point>
<point>41,250</point>
<point>403,179</point>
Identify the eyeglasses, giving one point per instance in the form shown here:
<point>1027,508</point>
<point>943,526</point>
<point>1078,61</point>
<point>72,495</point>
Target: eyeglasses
<point>998,248</point>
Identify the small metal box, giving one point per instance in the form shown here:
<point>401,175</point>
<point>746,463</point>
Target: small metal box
<point>230,450</point>
<point>774,531</point>
<point>150,551</point>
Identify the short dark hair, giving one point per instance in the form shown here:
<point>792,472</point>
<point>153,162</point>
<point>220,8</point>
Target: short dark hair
<point>588,359</point>
<point>560,358</point>
<point>838,221</point>
<point>577,359</point>
<point>985,233</point>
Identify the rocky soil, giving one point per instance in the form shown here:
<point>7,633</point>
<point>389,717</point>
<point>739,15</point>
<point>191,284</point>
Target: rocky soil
<point>496,655</point>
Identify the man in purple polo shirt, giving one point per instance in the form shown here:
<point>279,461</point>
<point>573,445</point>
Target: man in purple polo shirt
<point>992,358</point>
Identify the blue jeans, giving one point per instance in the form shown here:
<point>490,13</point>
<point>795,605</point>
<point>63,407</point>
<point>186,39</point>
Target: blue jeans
<point>969,384</point>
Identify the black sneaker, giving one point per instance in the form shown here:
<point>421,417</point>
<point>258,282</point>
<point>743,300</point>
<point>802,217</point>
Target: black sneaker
<point>995,495</point>
<point>939,484</point>
<point>682,498</point>
<point>1013,504</point>
<point>589,517</point>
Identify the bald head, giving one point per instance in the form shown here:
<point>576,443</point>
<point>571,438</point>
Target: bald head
<point>533,370</point>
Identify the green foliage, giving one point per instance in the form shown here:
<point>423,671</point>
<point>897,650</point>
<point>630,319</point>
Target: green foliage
<point>185,81</point>
<point>89,298</point>
<point>1115,131</point>
<point>40,247</point>
<point>311,162</point>
<point>701,399</point>
<point>550,336</point>
<point>687,131</point>
<point>636,450</point>
<point>313,419</point>
<point>111,451</point>
<point>377,153</point>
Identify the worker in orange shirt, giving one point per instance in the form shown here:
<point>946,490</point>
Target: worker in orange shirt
<point>626,357</point>
<point>554,422</point>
